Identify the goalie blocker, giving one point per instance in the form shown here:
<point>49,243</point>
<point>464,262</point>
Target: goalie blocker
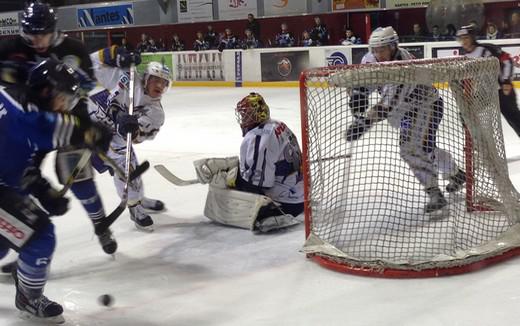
<point>237,208</point>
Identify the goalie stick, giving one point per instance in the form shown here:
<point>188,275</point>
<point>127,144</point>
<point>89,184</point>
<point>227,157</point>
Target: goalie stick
<point>168,175</point>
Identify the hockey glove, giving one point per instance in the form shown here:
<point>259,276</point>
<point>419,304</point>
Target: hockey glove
<point>97,137</point>
<point>357,129</point>
<point>358,102</point>
<point>127,123</point>
<point>125,58</point>
<point>39,187</point>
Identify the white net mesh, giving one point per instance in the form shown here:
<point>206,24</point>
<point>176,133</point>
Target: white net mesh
<point>439,121</point>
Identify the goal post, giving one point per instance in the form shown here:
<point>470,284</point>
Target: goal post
<point>364,204</point>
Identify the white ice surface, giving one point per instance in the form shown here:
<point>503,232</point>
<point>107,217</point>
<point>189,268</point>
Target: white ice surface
<point>192,272</point>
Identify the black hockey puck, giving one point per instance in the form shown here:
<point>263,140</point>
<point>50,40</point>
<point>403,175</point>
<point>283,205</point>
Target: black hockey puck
<point>106,300</point>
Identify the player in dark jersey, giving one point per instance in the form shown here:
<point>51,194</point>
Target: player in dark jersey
<point>38,40</point>
<point>30,122</point>
<point>507,96</point>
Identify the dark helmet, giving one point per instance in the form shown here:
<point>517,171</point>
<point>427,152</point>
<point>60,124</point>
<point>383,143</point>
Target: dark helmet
<point>38,18</point>
<point>57,77</point>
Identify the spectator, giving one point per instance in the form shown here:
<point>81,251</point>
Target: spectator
<point>492,32</point>
<point>177,43</point>
<point>152,47</point>
<point>161,45</point>
<point>417,35</point>
<point>436,35</point>
<point>200,43</point>
<point>350,38</point>
<point>514,25</point>
<point>307,40</point>
<point>284,38</point>
<point>250,42</point>
<point>228,41</point>
<point>211,37</point>
<point>126,45</point>
<point>143,45</point>
<point>451,31</point>
<point>253,25</point>
<point>319,33</point>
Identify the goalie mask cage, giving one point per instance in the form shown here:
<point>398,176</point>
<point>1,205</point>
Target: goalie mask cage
<point>364,208</point>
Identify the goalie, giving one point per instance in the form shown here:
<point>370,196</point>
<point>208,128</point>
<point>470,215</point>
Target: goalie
<point>417,111</point>
<point>267,180</point>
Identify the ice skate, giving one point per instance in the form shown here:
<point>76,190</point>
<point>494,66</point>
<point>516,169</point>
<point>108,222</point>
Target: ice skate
<point>108,242</point>
<point>153,205</point>
<point>142,220</point>
<point>39,309</point>
<point>456,182</point>
<point>437,200</point>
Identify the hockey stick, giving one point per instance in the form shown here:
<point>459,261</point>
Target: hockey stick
<point>101,227</point>
<point>140,169</point>
<point>165,173</point>
<point>84,159</point>
<point>513,159</point>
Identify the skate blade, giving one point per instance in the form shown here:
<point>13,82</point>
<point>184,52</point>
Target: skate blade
<point>147,229</point>
<point>56,320</point>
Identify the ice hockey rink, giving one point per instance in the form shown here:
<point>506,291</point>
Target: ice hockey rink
<point>192,272</point>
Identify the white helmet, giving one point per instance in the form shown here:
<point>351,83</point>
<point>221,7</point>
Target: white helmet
<point>382,36</point>
<point>157,69</point>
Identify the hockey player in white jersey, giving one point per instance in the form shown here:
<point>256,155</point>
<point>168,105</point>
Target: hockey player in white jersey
<point>416,110</point>
<point>110,107</point>
<point>267,179</point>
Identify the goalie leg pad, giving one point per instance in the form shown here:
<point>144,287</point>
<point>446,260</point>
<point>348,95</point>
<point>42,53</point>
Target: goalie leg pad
<point>233,207</point>
<point>67,160</point>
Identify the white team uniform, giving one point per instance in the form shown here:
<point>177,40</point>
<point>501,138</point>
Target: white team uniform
<point>506,72</point>
<point>148,110</point>
<point>416,110</point>
<point>270,157</point>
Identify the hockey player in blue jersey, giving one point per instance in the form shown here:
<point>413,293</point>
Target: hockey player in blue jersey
<point>29,122</point>
<point>39,39</point>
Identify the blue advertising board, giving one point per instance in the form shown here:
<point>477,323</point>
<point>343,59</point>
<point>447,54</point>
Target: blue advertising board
<point>106,16</point>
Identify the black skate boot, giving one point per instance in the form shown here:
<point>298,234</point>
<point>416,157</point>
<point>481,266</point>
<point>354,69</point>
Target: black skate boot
<point>142,220</point>
<point>108,242</point>
<point>456,182</point>
<point>437,200</point>
<point>39,308</point>
<point>152,204</point>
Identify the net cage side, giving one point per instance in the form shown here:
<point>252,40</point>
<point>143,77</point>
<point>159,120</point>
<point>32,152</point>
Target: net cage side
<point>365,205</point>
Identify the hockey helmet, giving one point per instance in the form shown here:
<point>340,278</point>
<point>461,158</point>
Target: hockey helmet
<point>58,78</point>
<point>38,18</point>
<point>252,111</point>
<point>383,36</point>
<point>157,69</point>
<point>468,30</point>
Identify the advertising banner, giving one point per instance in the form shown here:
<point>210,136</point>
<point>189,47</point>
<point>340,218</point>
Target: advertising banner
<point>354,4</point>
<point>406,3</point>
<point>284,7</point>
<point>236,9</point>
<point>283,66</point>
<point>9,24</point>
<point>198,66</point>
<point>319,6</point>
<point>194,10</point>
<point>105,16</point>
<point>335,57</point>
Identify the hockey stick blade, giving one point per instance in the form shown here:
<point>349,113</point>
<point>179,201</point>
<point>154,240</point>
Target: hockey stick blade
<point>106,222</point>
<point>165,173</point>
<point>140,169</point>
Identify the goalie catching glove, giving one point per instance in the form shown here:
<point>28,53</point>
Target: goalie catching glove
<point>219,171</point>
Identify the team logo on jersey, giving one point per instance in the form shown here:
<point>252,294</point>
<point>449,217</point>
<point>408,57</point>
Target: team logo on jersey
<point>284,67</point>
<point>337,58</point>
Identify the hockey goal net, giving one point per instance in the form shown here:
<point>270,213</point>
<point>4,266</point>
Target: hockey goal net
<point>365,208</point>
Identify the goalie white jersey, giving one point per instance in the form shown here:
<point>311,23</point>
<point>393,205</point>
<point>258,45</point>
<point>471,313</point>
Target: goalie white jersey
<point>270,157</point>
<point>116,81</point>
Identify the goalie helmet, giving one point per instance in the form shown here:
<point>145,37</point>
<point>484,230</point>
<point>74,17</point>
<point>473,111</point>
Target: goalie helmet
<point>157,69</point>
<point>252,111</point>
<point>383,36</point>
